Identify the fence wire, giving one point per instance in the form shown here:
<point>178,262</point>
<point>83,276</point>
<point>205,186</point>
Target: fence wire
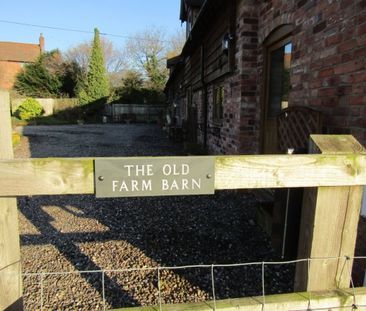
<point>347,265</point>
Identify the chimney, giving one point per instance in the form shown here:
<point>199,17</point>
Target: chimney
<point>41,42</point>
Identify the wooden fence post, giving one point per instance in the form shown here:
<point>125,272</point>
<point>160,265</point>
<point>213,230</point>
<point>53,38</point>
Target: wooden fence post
<point>10,269</point>
<point>329,222</point>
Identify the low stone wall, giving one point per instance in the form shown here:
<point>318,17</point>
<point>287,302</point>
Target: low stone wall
<point>50,105</point>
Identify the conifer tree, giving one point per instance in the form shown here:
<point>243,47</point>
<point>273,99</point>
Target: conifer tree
<point>96,85</point>
<point>42,78</point>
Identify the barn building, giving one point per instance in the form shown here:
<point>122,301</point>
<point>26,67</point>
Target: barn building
<point>259,76</point>
<point>246,64</point>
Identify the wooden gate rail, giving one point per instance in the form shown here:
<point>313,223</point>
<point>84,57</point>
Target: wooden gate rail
<point>325,300</point>
<point>53,176</point>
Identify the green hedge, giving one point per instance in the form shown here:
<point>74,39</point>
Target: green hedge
<point>29,109</point>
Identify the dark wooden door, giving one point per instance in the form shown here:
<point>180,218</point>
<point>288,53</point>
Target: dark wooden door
<point>277,91</point>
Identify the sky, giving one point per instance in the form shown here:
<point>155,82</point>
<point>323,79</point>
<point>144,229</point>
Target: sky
<point>119,17</point>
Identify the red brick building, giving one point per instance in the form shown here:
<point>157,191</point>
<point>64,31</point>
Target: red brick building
<point>245,61</point>
<point>13,56</point>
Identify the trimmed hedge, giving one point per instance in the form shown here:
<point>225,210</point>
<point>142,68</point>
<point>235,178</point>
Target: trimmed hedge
<point>29,109</point>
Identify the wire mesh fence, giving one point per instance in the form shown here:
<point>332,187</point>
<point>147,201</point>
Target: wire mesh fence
<point>160,286</point>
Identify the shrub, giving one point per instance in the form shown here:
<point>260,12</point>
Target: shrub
<point>49,76</point>
<point>37,80</point>
<point>29,109</point>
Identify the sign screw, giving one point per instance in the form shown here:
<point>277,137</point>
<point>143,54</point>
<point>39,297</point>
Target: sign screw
<point>209,176</point>
<point>101,178</point>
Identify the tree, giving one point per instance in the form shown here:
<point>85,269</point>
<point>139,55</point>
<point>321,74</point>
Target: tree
<point>147,53</point>
<point>114,59</point>
<point>132,80</point>
<point>72,78</point>
<point>176,43</point>
<point>49,76</point>
<point>96,85</point>
<point>80,54</point>
<point>42,78</point>
<point>157,76</point>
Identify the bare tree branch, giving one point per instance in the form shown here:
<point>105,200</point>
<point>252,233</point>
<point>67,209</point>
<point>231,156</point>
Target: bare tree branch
<point>114,59</point>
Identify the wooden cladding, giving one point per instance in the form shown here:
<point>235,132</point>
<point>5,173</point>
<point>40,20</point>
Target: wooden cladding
<point>208,61</point>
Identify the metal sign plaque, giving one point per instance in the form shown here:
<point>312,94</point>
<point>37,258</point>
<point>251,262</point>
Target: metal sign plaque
<point>160,176</point>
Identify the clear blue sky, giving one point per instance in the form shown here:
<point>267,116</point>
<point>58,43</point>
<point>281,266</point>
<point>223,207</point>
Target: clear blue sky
<point>121,17</point>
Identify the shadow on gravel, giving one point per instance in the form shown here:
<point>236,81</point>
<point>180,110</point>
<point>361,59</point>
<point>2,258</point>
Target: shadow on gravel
<point>173,231</point>
<point>66,245</point>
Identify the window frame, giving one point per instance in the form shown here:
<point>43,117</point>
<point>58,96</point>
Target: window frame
<point>218,104</point>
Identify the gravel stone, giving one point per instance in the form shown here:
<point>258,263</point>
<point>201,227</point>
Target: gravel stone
<point>81,233</point>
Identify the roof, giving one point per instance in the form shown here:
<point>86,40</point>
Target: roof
<point>19,52</point>
<point>171,62</point>
<point>184,4</point>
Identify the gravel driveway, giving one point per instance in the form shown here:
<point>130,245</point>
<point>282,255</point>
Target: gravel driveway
<point>82,233</point>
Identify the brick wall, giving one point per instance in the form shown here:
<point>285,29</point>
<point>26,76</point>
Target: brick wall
<point>328,69</point>
<point>239,131</point>
<point>329,58</point>
<point>223,136</point>
<point>8,72</point>
<point>250,108</point>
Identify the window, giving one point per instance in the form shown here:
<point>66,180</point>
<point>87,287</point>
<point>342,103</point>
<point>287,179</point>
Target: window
<point>218,103</point>
<point>279,78</point>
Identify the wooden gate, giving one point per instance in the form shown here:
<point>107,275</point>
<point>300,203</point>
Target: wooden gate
<point>333,176</point>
